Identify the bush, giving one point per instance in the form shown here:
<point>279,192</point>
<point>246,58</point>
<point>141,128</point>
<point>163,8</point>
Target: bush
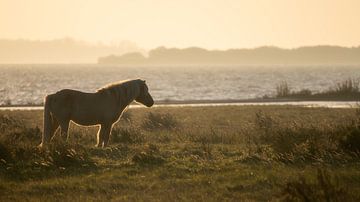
<point>155,121</point>
<point>303,93</point>
<point>127,135</point>
<point>347,87</point>
<point>65,155</point>
<point>282,90</point>
<point>25,158</point>
<point>325,188</point>
<point>295,142</point>
<point>350,141</point>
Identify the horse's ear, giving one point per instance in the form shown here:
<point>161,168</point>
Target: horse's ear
<point>143,81</point>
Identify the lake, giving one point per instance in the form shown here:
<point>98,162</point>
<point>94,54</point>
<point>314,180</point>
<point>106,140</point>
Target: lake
<point>28,83</point>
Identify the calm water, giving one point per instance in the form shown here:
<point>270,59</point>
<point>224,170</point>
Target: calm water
<point>22,84</point>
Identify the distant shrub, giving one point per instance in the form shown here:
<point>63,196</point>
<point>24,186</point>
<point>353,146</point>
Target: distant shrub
<point>159,121</point>
<point>282,90</point>
<point>347,87</point>
<point>127,135</point>
<point>7,102</point>
<point>302,93</point>
<point>325,188</point>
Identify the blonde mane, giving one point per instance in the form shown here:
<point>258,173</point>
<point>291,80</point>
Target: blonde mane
<point>112,85</point>
<point>124,91</point>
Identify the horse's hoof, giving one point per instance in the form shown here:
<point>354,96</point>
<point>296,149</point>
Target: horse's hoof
<point>41,146</point>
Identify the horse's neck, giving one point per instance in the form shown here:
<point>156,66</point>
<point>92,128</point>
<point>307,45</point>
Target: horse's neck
<point>126,101</point>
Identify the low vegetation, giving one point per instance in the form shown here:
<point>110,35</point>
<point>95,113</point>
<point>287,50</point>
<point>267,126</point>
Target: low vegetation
<point>193,153</point>
<point>323,188</point>
<point>346,90</point>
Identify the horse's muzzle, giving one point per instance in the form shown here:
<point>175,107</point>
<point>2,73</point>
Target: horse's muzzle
<point>150,103</point>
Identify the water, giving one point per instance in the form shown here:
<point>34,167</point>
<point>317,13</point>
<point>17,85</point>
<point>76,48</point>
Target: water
<point>24,84</point>
<point>311,104</point>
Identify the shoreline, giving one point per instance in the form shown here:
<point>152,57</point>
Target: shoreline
<point>332,103</point>
<point>225,101</point>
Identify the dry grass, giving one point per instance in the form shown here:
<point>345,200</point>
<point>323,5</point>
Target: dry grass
<point>192,153</point>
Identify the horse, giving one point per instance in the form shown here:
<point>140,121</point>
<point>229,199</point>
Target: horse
<point>104,108</point>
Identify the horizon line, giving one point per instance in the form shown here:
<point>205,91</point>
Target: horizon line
<point>116,44</point>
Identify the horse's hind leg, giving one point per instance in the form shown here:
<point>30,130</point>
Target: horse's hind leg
<point>50,127</point>
<point>64,126</point>
<point>54,127</point>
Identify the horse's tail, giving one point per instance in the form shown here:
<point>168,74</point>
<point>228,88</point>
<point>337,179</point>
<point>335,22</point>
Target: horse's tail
<point>47,121</point>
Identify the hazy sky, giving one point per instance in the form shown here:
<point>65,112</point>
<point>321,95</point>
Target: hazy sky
<point>215,24</point>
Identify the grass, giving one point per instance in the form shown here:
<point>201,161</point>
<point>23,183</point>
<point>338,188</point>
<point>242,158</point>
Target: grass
<point>231,153</point>
<point>323,188</point>
<point>345,90</point>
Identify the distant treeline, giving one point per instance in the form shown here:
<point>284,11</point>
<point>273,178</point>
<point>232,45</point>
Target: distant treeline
<point>262,55</point>
<point>65,50</point>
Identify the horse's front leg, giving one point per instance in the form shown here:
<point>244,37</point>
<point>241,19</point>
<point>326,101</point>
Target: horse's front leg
<point>103,135</point>
<point>99,138</point>
<point>107,133</point>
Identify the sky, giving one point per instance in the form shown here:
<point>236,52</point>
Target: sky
<point>212,24</point>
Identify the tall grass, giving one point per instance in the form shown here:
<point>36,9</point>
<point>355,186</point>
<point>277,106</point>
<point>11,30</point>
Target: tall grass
<point>155,121</point>
<point>349,88</point>
<point>20,158</point>
<point>298,143</point>
<point>324,188</point>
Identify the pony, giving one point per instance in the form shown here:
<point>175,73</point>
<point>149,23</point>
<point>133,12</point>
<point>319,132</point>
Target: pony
<point>104,108</point>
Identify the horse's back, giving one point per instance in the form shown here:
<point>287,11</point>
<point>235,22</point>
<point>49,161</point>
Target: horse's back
<point>83,108</point>
<point>70,92</point>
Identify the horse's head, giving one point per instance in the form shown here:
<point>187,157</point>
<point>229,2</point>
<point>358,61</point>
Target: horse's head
<point>144,95</point>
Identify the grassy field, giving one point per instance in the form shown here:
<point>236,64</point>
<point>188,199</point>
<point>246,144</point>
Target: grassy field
<point>229,153</point>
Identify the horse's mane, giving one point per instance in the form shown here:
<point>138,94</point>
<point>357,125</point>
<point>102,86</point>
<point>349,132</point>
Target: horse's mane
<point>125,91</point>
<point>112,85</point>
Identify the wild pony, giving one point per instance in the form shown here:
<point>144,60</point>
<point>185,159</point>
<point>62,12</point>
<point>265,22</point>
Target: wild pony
<point>104,108</point>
